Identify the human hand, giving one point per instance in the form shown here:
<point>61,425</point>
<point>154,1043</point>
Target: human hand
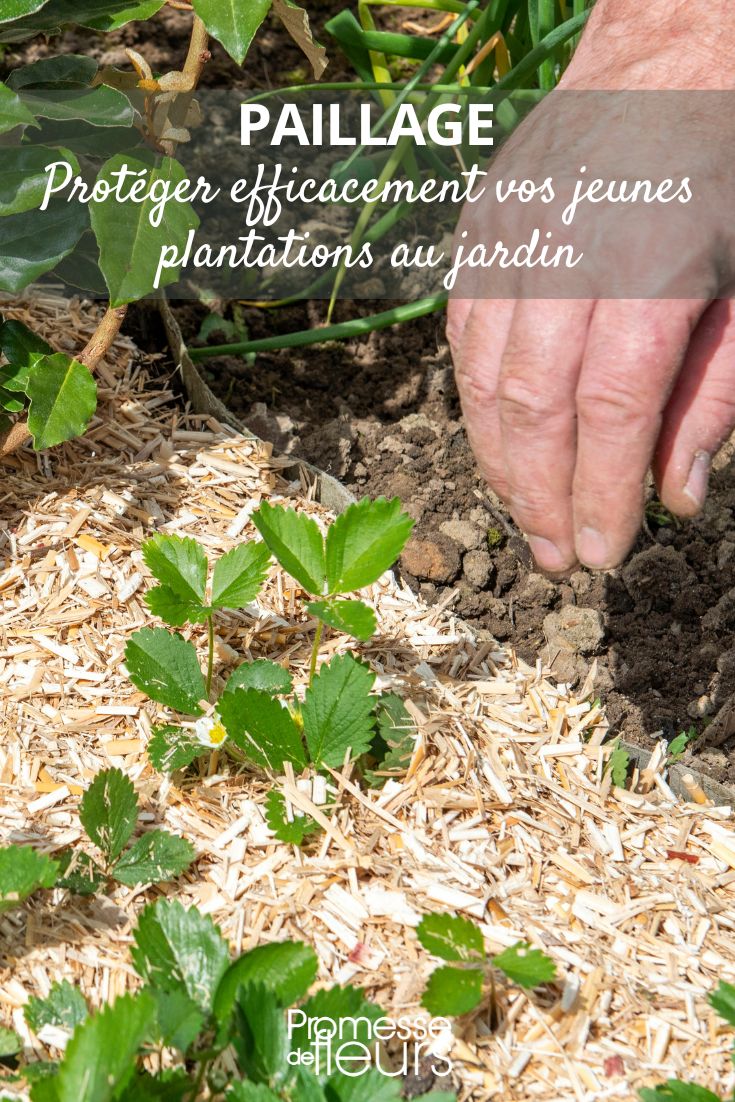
<point>568,403</point>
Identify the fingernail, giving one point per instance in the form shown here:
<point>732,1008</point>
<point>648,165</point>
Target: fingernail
<point>592,549</point>
<point>547,555</point>
<point>698,481</point>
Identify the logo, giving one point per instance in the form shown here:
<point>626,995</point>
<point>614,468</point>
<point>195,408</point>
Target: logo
<point>396,1047</point>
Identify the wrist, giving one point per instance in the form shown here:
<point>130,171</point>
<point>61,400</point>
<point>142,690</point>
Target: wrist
<point>681,44</point>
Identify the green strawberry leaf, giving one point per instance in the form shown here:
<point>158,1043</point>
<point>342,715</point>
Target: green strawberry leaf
<point>63,399</point>
<point>334,1004</point>
<point>364,542</point>
<point>10,1043</point>
<point>154,858</point>
<point>78,873</point>
<point>259,1034</point>
<point>353,617</point>
<point>100,1058</point>
<point>180,1021</point>
<point>453,991</point>
<point>293,833</point>
<point>262,728</point>
<point>296,541</point>
<point>338,711</point>
<point>618,764</point>
<point>13,112</point>
<point>674,1090</point>
<point>723,1001</point>
<point>247,1091</point>
<point>166,667</point>
<point>233,24</point>
<point>364,1084</point>
<point>264,675</point>
<point>239,575</point>
<point>451,937</point>
<point>525,966</point>
<point>129,242</point>
<point>180,564</point>
<point>109,811</point>
<point>395,741</point>
<point>64,1006</point>
<point>180,950</point>
<point>173,609</point>
<point>22,872</point>
<point>287,969</point>
<point>171,1085</point>
<point>172,748</point>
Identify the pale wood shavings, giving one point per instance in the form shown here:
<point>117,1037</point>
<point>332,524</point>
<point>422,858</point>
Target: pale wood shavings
<point>506,814</point>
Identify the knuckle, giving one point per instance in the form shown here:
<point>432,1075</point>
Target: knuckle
<point>475,383</point>
<point>610,405</point>
<point>523,403</point>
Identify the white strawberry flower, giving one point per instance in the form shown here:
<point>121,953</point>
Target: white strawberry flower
<point>210,731</point>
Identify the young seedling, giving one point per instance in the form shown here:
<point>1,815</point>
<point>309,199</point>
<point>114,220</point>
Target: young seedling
<point>338,716</point>
<point>359,547</point>
<point>196,1002</point>
<point>459,987</point>
<point>109,814</point>
<point>677,747</point>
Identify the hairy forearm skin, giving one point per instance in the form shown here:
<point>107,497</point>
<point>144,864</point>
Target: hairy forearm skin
<point>657,44</point>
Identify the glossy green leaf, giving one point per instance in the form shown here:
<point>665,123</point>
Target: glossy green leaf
<point>247,1091</point>
<point>16,9</point>
<point>355,618</point>
<point>232,23</point>
<point>366,1084</point>
<point>11,402</point>
<point>262,728</point>
<point>64,1006</point>
<point>109,811</point>
<point>130,246</point>
<point>105,15</point>
<point>180,949</point>
<point>23,871</point>
<point>172,748</point>
<point>239,575</point>
<point>450,937</point>
<point>264,675</point>
<point>364,542</point>
<point>395,741</point>
<point>154,858</point>
<point>166,667</point>
<point>63,71</point>
<point>179,563</point>
<point>525,966</point>
<point>63,400</point>
<point>335,1004</point>
<point>338,711</point>
<point>453,991</point>
<point>12,111</point>
<point>33,243</point>
<point>287,969</point>
<point>23,177</point>
<point>22,348</point>
<point>293,832</point>
<point>296,542</point>
<point>259,1034</point>
<point>101,106</point>
<point>100,1058</point>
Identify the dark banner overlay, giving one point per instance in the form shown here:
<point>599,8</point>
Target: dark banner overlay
<point>583,195</point>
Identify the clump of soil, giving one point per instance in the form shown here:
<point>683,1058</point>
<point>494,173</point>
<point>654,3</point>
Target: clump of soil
<point>382,414</point>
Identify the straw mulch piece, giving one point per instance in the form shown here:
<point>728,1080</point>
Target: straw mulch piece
<point>506,815</point>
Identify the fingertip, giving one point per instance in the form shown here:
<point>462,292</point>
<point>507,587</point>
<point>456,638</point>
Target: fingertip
<point>549,558</point>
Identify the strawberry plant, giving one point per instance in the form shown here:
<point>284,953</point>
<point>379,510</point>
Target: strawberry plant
<point>23,871</point>
<point>458,987</point>
<point>256,715</point>
<point>199,1006</point>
